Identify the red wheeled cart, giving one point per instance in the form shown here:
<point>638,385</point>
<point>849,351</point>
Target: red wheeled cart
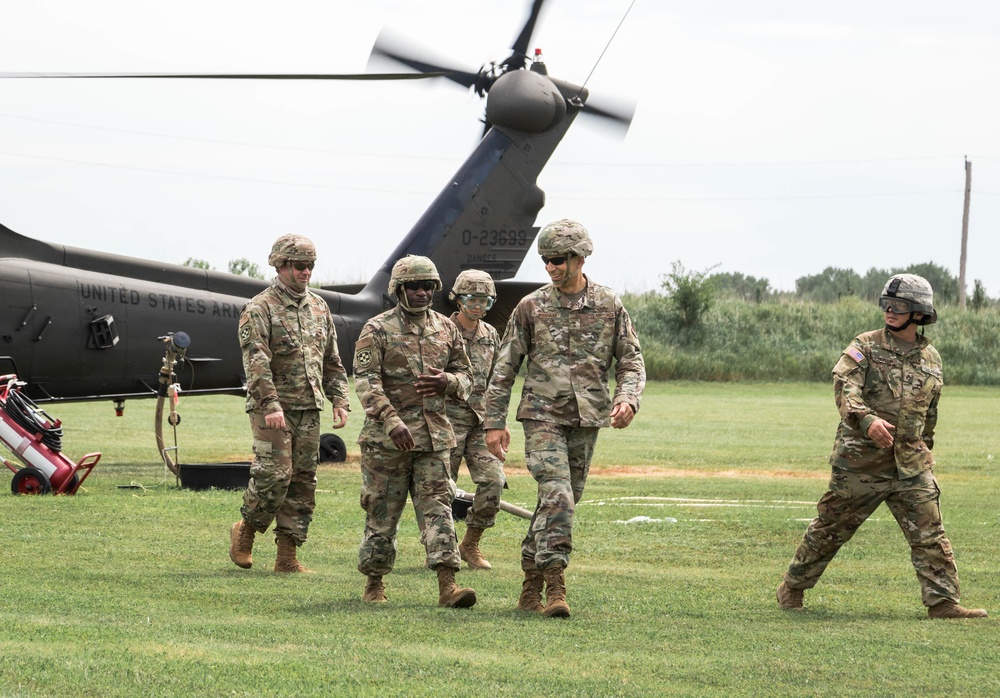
<point>36,439</point>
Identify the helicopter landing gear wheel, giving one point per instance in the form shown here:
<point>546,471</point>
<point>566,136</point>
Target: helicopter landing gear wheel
<point>332,449</point>
<point>30,480</point>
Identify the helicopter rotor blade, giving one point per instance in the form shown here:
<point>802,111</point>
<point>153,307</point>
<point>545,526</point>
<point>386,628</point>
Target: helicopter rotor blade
<point>394,51</point>
<point>236,76</point>
<point>520,48</point>
<point>617,115</point>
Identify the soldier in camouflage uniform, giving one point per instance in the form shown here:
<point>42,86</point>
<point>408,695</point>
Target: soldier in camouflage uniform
<point>570,331</point>
<point>474,292</point>
<point>290,357</point>
<point>887,384</point>
<point>406,361</point>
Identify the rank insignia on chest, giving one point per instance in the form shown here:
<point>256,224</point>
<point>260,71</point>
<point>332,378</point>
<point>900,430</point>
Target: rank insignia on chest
<point>363,358</point>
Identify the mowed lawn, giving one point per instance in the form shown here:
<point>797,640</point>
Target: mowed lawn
<point>689,519</point>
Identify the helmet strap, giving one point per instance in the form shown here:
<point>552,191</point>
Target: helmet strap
<point>909,321</point>
<point>287,277</point>
<point>401,297</point>
<point>571,277</point>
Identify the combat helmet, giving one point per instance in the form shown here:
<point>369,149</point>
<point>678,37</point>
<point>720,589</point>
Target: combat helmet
<point>413,268</point>
<point>472,282</point>
<point>564,237</point>
<point>291,247</point>
<point>914,289</point>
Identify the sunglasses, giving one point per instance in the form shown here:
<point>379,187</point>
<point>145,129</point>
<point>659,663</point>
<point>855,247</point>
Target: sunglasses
<point>477,300</point>
<point>420,285</point>
<point>555,261</point>
<point>302,266</point>
<point>899,306</point>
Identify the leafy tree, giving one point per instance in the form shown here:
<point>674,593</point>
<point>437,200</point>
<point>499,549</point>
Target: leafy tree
<point>834,283</point>
<point>689,296</point>
<point>979,299</point>
<point>738,285</point>
<point>941,280</point>
<point>198,264</point>
<point>872,284</point>
<point>829,285</point>
<point>244,266</point>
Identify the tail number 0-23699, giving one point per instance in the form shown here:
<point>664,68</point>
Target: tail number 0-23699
<point>496,238</point>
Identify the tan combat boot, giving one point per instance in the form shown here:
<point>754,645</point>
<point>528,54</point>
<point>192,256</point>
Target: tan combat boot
<point>469,549</point>
<point>555,593</point>
<point>241,544</point>
<point>451,596</point>
<point>286,562</point>
<point>374,589</point>
<point>950,609</point>
<point>531,592</point>
<point>789,599</point>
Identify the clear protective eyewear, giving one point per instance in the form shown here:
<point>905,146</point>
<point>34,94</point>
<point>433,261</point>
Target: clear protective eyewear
<point>470,300</point>
<point>899,306</point>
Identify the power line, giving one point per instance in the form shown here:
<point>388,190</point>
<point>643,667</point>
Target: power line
<point>563,196</point>
<point>681,164</point>
<point>175,173</point>
<point>218,141</point>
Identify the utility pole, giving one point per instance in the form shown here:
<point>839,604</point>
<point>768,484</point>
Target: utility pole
<point>965,234</point>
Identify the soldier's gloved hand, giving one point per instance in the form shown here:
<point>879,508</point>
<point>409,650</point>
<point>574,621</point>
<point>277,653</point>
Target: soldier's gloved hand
<point>339,417</point>
<point>498,441</point>
<point>433,383</point>
<point>621,415</point>
<point>274,420</point>
<point>402,438</point>
<point>880,431</point>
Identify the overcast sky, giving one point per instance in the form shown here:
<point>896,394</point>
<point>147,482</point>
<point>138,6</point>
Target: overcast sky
<point>770,138</point>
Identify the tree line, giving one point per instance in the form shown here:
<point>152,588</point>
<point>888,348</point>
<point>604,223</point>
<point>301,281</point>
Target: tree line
<point>831,284</point>
<point>732,327</point>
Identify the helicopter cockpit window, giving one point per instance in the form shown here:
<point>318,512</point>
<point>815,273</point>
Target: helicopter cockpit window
<point>103,334</point>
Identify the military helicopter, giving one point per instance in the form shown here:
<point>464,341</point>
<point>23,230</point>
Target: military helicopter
<point>78,324</point>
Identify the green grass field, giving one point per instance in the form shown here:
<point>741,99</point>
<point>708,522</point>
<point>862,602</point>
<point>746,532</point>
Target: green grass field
<point>688,522</point>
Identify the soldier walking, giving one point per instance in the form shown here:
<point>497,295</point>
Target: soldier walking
<point>887,384</point>
<point>474,292</point>
<point>289,345</point>
<point>406,362</point>
<point>570,331</point>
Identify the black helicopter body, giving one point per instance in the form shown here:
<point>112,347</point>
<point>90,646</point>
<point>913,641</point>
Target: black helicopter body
<point>77,324</point>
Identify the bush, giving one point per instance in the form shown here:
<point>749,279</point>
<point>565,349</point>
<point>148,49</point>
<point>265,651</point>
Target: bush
<point>689,296</point>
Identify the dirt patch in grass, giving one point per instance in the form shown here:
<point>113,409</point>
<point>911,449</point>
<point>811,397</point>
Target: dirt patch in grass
<point>352,464</point>
<point>653,471</point>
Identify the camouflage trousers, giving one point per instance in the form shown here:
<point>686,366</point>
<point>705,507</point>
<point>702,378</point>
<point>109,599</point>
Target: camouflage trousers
<point>558,457</point>
<point>850,500</point>
<point>387,477</point>
<point>485,469</point>
<point>282,485</point>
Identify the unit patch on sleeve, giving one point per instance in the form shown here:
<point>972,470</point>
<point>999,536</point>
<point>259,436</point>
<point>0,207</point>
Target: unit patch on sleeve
<point>244,333</point>
<point>363,358</point>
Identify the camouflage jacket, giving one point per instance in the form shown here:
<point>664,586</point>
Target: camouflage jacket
<point>391,352</point>
<point>569,352</point>
<point>874,378</point>
<point>290,352</point>
<point>482,353</point>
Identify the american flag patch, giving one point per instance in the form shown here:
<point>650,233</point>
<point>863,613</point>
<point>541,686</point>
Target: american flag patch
<point>855,354</point>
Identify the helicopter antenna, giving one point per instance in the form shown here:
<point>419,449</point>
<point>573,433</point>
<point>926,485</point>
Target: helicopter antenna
<point>613,35</point>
